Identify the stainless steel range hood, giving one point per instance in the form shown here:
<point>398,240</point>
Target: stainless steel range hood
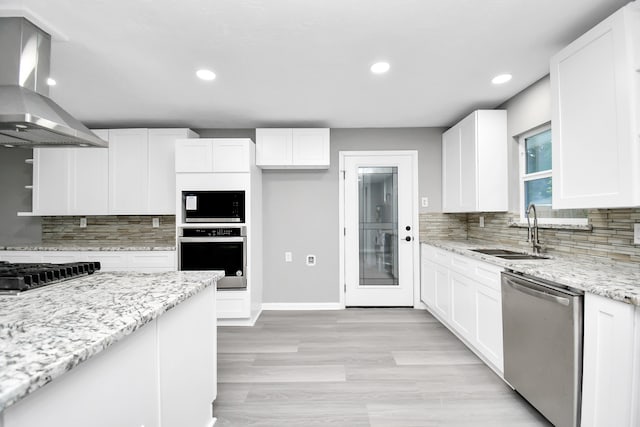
<point>28,117</point>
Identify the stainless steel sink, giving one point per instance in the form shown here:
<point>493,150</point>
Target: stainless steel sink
<point>507,254</point>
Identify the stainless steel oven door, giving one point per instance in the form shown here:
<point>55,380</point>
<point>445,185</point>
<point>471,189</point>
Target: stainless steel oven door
<point>216,253</point>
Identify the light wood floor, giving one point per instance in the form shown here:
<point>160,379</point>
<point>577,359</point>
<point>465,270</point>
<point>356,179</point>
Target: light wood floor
<point>358,367</point>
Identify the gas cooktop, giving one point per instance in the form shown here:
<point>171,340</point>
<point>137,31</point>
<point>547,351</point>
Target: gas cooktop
<point>20,277</point>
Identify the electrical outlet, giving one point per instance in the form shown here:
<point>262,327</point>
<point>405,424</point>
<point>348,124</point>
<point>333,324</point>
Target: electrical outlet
<point>155,222</point>
<point>288,257</point>
<point>425,202</point>
<point>311,260</point>
<point>481,222</point>
<point>636,234</point>
<point>83,222</point>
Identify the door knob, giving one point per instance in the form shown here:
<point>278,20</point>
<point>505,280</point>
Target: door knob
<point>408,238</point>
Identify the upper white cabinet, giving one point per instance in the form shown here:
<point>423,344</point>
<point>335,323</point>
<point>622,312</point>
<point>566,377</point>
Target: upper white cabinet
<point>595,83</point>
<point>133,176</point>
<point>212,155</point>
<point>474,163</point>
<point>293,148</point>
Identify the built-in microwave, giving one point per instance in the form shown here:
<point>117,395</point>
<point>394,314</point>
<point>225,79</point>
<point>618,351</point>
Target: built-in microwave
<point>213,206</point>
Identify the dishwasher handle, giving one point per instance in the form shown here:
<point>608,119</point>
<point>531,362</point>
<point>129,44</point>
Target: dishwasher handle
<point>536,293</point>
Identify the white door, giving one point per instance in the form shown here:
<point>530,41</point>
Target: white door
<point>379,227</point>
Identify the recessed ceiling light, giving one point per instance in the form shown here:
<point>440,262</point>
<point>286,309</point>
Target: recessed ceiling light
<point>51,82</point>
<point>502,78</point>
<point>83,145</point>
<point>380,67</point>
<point>20,126</point>
<point>206,74</point>
<point>9,145</point>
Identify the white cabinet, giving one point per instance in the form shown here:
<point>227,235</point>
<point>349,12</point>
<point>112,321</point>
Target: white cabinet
<point>304,148</point>
<point>464,294</point>
<point>474,163</point>
<point>595,88</point>
<point>214,155</point>
<point>51,170</point>
<point>611,367</point>
<point>141,261</point>
<point>70,181</point>
<point>133,176</point>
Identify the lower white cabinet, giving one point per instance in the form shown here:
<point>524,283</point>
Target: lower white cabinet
<point>611,363</point>
<point>163,375</point>
<point>464,294</point>
<point>142,261</point>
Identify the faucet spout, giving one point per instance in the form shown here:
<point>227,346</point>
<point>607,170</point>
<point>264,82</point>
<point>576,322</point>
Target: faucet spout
<point>533,231</point>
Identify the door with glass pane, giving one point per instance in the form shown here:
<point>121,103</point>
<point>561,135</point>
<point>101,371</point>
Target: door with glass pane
<point>378,229</point>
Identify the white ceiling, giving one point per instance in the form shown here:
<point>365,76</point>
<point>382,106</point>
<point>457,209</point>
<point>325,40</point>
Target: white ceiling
<point>298,62</point>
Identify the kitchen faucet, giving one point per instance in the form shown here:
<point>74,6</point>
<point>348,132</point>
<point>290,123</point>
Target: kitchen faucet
<point>533,231</point>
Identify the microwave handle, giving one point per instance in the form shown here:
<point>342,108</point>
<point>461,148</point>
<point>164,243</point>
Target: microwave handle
<point>212,239</point>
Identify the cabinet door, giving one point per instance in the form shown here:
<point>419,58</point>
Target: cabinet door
<point>463,308</point>
<point>593,83</point>
<point>51,168</point>
<point>90,181</point>
<point>451,170</point>
<point>428,282</point>
<point>128,171</point>
<point>488,330</point>
<point>231,155</point>
<point>162,178</point>
<point>442,303</point>
<point>607,382</point>
<point>194,155</point>
<point>310,148</point>
<point>468,164</point>
<point>274,147</point>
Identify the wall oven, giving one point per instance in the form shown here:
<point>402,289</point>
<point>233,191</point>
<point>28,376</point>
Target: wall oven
<point>217,248</point>
<point>213,206</point>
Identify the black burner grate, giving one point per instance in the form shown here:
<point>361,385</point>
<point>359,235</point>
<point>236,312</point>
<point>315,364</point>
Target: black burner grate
<point>24,276</point>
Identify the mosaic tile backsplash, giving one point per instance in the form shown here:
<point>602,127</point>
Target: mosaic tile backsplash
<point>611,236</point>
<point>126,230</point>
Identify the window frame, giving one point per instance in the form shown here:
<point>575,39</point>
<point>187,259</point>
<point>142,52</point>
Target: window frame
<point>523,177</point>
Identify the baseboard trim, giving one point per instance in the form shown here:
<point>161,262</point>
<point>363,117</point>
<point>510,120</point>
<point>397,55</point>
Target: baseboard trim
<point>301,306</point>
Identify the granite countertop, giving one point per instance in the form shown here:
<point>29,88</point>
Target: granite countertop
<point>48,331</point>
<point>616,280</point>
<point>77,247</point>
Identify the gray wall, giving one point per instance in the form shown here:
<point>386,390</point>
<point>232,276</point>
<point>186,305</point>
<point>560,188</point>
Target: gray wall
<point>14,175</point>
<point>526,110</point>
<point>301,212</point>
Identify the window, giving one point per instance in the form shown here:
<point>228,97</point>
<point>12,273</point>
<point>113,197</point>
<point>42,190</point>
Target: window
<point>536,182</point>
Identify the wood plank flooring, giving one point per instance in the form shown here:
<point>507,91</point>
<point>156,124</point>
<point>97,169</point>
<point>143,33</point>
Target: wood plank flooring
<point>387,367</point>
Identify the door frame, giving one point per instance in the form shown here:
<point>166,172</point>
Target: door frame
<point>415,233</point>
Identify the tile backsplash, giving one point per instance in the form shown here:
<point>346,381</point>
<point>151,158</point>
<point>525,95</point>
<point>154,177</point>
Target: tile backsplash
<point>611,236</point>
<point>125,230</point>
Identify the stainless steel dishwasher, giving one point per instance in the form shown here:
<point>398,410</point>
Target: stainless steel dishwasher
<point>542,334</point>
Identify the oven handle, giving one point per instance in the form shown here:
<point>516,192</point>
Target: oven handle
<point>212,239</point>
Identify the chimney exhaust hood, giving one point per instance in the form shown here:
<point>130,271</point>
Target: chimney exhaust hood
<point>28,117</point>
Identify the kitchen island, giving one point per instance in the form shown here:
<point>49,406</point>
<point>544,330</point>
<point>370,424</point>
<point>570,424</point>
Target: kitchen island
<point>118,348</point>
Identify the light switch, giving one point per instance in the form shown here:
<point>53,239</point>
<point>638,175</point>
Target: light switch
<point>288,257</point>
<point>425,202</point>
<point>155,222</point>
<point>481,222</point>
<point>636,234</point>
<point>311,260</point>
<point>83,222</point>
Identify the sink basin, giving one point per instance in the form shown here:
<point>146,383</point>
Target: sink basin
<point>507,254</point>
<point>522,256</point>
<point>497,252</point>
